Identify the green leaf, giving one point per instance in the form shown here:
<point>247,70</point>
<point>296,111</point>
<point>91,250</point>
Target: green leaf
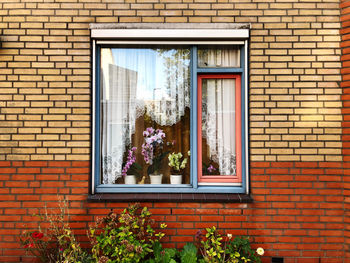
<point>170,251</point>
<point>157,249</point>
<point>189,254</point>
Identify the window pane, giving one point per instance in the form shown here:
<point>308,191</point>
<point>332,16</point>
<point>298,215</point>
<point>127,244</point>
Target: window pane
<point>219,56</point>
<point>144,88</point>
<point>218,127</point>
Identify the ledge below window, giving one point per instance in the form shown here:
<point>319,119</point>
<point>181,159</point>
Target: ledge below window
<point>161,197</point>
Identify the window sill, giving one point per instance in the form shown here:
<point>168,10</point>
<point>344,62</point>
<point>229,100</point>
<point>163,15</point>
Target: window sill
<point>171,197</point>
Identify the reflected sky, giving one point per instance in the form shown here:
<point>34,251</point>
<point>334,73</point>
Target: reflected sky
<point>152,67</point>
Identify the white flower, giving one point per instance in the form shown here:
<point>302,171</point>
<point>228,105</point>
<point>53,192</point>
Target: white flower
<point>229,236</point>
<point>260,251</point>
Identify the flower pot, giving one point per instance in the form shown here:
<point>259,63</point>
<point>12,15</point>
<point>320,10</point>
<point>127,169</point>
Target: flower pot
<point>156,178</point>
<point>176,178</point>
<point>130,179</point>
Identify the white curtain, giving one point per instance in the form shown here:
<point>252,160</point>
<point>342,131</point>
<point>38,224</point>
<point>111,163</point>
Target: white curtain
<point>218,126</point>
<point>219,57</point>
<point>218,114</point>
<point>135,82</point>
<point>173,95</point>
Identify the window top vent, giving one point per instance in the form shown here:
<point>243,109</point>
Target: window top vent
<point>225,31</point>
<point>189,26</point>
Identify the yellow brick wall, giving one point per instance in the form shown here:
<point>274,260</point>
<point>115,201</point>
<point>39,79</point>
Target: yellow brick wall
<point>45,63</point>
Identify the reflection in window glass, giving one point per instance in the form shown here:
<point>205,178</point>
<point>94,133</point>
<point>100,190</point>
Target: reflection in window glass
<point>145,112</point>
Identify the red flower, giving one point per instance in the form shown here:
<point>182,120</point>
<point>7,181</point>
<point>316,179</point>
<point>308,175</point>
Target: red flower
<point>29,245</point>
<point>37,235</point>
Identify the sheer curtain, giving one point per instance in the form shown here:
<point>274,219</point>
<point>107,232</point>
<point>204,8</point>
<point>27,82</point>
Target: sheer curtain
<point>218,108</point>
<point>219,56</point>
<point>135,83</point>
<point>218,123</point>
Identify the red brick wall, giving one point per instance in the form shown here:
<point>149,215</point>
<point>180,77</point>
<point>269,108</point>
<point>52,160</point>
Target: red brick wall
<point>297,211</point>
<point>345,84</point>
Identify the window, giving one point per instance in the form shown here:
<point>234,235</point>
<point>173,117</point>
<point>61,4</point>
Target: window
<point>170,110</point>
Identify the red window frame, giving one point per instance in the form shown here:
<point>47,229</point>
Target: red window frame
<point>221,178</point>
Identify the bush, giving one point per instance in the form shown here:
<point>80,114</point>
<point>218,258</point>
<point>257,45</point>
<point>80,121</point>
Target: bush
<point>214,248</point>
<point>57,243</point>
<point>130,238</point>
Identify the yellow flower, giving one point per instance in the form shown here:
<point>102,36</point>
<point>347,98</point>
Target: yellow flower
<point>229,236</point>
<point>260,251</point>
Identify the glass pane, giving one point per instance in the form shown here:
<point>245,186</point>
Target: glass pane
<point>218,127</point>
<point>145,112</point>
<point>218,56</point>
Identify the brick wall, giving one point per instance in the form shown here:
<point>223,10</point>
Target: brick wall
<point>297,213</point>
<point>295,119</point>
<point>345,19</point>
<point>295,71</point>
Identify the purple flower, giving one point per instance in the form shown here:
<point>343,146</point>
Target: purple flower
<point>211,168</point>
<point>130,160</point>
<point>150,130</point>
<point>199,235</point>
<point>153,138</point>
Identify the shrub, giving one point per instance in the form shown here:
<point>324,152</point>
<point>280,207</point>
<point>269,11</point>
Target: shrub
<point>126,238</point>
<point>215,249</point>
<point>130,238</point>
<point>56,243</point>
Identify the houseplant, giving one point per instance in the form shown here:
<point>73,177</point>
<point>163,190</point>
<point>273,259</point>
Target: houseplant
<point>152,151</point>
<point>209,169</point>
<point>176,166</point>
<point>131,168</point>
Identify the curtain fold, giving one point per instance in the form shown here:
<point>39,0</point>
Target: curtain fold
<point>219,57</point>
<point>218,123</point>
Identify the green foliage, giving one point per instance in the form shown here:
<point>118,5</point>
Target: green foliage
<point>157,161</point>
<point>162,255</point>
<point>56,243</point>
<point>135,169</point>
<point>189,253</point>
<point>239,250</point>
<point>128,238</point>
<point>211,247</point>
<point>214,249</point>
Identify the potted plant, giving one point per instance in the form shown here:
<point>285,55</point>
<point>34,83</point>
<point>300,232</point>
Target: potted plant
<point>209,169</point>
<point>176,166</point>
<point>152,151</point>
<point>131,168</point>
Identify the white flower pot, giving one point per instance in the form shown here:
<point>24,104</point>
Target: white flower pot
<point>176,178</point>
<point>130,179</point>
<point>156,178</point>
